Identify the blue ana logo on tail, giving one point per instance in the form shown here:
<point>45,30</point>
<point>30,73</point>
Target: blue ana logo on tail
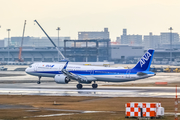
<point>145,61</point>
<point>145,58</point>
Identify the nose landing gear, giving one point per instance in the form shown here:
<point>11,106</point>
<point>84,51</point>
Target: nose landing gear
<point>39,82</point>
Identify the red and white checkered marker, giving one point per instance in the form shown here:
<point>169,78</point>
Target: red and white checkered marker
<point>148,109</point>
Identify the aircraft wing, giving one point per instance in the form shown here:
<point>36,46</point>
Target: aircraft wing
<point>76,77</point>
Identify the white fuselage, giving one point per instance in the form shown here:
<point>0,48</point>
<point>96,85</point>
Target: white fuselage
<point>100,73</point>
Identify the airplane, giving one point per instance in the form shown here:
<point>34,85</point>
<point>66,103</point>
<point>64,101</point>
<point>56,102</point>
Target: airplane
<point>64,73</point>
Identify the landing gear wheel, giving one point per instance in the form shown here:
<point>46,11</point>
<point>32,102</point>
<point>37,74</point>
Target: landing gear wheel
<point>79,86</point>
<point>94,86</point>
<point>38,82</point>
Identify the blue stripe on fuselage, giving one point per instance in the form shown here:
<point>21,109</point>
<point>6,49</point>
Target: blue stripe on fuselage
<point>96,72</point>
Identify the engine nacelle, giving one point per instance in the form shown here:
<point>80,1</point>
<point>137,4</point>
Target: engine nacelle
<point>61,79</point>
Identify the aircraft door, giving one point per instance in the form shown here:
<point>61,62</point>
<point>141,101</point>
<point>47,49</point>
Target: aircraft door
<point>35,67</point>
<point>60,68</point>
<point>92,72</point>
<point>128,73</point>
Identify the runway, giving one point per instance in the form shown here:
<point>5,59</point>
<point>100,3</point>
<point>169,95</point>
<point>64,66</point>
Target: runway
<point>53,89</point>
<point>17,83</point>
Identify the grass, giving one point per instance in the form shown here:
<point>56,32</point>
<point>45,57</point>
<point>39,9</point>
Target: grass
<point>40,105</point>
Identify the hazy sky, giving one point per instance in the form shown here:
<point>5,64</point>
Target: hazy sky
<point>138,16</point>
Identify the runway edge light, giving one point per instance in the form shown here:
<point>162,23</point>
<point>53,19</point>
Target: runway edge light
<point>176,106</point>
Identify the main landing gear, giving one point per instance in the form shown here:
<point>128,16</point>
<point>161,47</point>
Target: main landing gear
<point>79,86</point>
<point>39,82</point>
<point>94,85</point>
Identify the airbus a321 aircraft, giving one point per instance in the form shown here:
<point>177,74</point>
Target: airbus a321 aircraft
<point>63,74</point>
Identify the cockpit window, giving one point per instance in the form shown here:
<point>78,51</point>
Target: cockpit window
<point>30,66</point>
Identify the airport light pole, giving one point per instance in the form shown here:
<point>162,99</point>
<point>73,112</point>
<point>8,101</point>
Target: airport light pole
<point>58,29</point>
<point>8,42</point>
<point>170,45</point>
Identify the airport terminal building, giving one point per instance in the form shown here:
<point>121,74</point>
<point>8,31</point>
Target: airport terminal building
<point>94,50</point>
<point>114,53</point>
<point>74,50</point>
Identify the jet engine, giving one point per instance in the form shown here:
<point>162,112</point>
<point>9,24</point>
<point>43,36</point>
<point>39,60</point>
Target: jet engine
<point>61,79</point>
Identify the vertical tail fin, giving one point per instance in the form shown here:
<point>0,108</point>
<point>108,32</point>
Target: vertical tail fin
<point>145,61</point>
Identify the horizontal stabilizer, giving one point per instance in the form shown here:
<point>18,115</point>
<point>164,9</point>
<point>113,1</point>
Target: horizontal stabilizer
<point>141,73</point>
<point>144,73</point>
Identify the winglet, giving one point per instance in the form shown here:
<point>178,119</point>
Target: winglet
<point>65,66</point>
<point>64,60</point>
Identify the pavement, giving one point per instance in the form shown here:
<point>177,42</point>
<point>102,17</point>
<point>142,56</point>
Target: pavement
<point>53,89</point>
<point>22,76</point>
<point>18,82</point>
